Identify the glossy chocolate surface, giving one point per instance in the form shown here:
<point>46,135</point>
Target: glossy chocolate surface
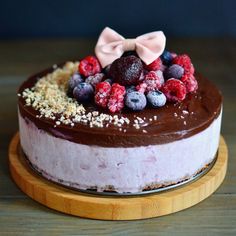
<point>174,121</point>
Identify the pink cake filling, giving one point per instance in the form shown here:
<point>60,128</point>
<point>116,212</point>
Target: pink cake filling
<point>129,169</point>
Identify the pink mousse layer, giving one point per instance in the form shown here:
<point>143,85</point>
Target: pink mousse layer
<point>125,169</point>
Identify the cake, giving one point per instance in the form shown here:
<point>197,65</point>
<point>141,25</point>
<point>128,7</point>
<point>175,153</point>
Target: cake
<point>120,121</point>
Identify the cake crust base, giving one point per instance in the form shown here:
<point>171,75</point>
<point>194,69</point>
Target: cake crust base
<point>117,208</point>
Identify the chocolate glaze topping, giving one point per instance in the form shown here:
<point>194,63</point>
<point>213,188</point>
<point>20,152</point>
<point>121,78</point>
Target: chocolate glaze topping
<point>174,121</point>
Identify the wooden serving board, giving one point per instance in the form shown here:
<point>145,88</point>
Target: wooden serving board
<point>114,208</point>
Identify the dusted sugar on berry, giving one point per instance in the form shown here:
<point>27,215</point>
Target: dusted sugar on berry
<point>89,66</point>
<point>174,90</point>
<point>184,61</point>
<point>190,82</point>
<point>74,80</point>
<point>155,65</point>
<point>83,92</point>
<point>156,99</point>
<point>135,101</point>
<point>116,100</point>
<point>127,70</point>
<point>95,79</point>
<point>151,82</point>
<point>102,94</point>
<point>174,71</point>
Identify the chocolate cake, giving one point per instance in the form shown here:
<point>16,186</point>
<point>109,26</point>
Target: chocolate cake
<point>108,141</point>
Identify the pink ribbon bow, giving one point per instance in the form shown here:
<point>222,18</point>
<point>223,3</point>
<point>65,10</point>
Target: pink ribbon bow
<point>112,45</point>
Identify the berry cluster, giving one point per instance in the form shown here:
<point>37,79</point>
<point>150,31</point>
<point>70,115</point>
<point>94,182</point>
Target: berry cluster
<point>129,83</point>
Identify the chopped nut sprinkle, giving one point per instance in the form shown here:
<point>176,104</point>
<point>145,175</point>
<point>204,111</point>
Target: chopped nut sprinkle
<point>49,97</point>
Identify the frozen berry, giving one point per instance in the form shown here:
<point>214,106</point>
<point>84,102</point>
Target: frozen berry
<point>152,82</point>
<point>89,66</point>
<point>74,80</point>
<point>155,65</point>
<point>141,87</point>
<point>174,71</point>
<point>135,101</point>
<point>127,70</point>
<point>166,57</point>
<point>102,94</point>
<point>174,90</point>
<point>159,74</point>
<point>83,92</point>
<point>95,79</point>
<point>156,98</point>
<point>190,83</point>
<point>116,100</point>
<point>184,61</point>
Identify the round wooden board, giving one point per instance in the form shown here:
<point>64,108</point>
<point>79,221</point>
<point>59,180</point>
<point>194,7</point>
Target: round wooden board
<point>114,208</point>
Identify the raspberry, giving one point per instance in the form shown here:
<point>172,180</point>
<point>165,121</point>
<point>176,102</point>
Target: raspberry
<point>89,66</point>
<point>184,61</point>
<point>141,87</point>
<point>190,83</point>
<point>116,100</point>
<point>174,90</point>
<point>151,82</point>
<point>155,65</point>
<point>102,94</point>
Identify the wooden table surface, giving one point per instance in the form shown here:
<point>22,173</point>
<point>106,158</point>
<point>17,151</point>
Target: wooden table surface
<point>19,215</point>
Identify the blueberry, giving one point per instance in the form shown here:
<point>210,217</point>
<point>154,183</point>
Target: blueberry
<point>166,57</point>
<point>130,89</point>
<point>83,92</point>
<point>74,80</point>
<point>174,71</point>
<point>156,98</point>
<point>135,101</point>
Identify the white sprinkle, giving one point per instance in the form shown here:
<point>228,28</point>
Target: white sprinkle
<point>181,117</point>
<point>144,131</point>
<point>185,112</point>
<point>185,123</point>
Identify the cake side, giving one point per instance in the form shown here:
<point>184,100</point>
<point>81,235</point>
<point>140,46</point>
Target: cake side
<point>119,169</point>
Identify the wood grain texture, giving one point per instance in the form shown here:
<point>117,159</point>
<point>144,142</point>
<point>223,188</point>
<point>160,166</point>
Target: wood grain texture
<point>215,58</point>
<point>114,208</point>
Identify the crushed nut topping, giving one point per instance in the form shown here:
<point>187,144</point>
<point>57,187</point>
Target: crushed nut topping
<point>49,97</point>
